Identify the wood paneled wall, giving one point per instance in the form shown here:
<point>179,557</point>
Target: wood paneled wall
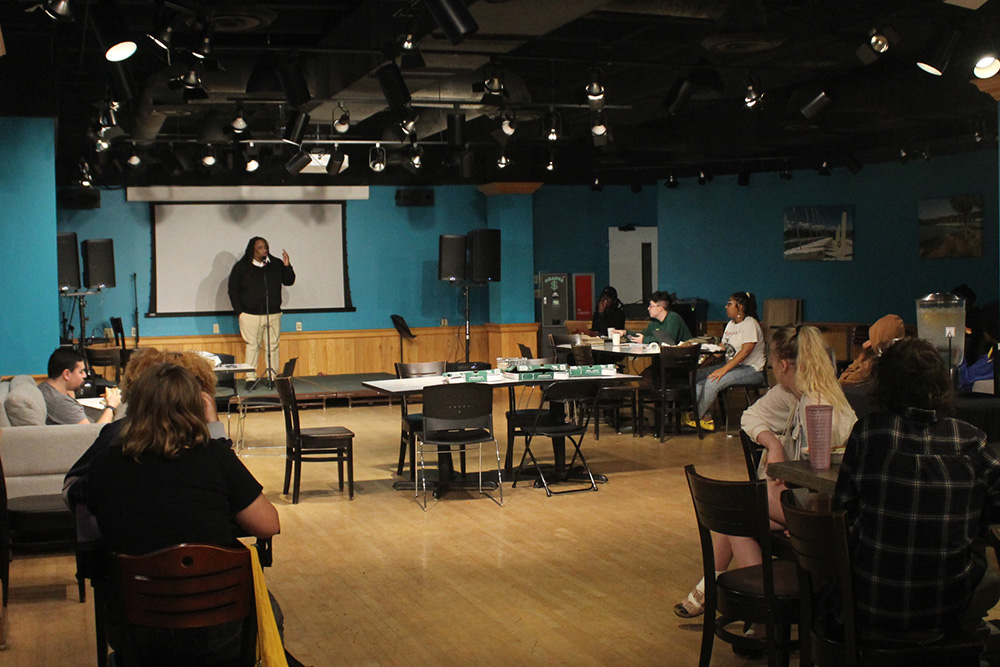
<point>368,350</point>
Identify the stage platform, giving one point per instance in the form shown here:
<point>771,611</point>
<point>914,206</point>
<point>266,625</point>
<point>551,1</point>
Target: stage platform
<point>315,389</point>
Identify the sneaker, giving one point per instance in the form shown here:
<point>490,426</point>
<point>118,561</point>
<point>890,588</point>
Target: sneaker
<point>707,425</point>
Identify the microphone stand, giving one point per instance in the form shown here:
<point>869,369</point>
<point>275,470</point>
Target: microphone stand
<point>268,371</point>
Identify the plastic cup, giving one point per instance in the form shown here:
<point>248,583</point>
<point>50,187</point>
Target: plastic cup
<point>611,332</point>
<point>819,424</point>
<point>616,338</point>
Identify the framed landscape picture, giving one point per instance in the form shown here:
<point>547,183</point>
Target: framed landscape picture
<point>951,227</point>
<point>819,233</point>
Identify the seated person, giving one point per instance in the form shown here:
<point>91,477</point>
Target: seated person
<point>165,482</point>
<point>858,380</point>
<point>981,336</point>
<point>661,319</point>
<point>67,373</point>
<point>920,490</point>
<point>610,313</point>
<point>804,369</point>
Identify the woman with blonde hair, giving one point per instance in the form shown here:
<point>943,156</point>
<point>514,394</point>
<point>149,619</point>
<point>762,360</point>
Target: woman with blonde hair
<point>804,369</point>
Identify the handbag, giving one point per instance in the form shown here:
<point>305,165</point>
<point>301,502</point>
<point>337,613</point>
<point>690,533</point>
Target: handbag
<point>270,651</point>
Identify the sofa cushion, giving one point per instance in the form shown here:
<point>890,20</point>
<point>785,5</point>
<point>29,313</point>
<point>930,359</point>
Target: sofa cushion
<point>36,458</point>
<point>4,390</point>
<point>25,405</point>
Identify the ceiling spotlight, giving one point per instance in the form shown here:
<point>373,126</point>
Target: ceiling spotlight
<point>133,158</point>
<point>298,162</point>
<point>878,41</point>
<point>296,128</point>
<point>208,159</point>
<point>239,124</point>
<point>336,162</point>
<point>824,169</point>
<point>671,183</point>
<point>416,157</point>
<point>551,164</point>
<point>493,83</point>
<point>191,84</point>
<point>937,62</point>
<point>508,122</point>
<point>58,10</point>
<point>503,161</point>
<point>598,126</point>
<point>454,19</point>
<point>376,158</point>
<point>987,66</point>
<point>978,136</point>
<point>552,125</point>
<point>785,174</point>
<point>343,123</point>
<point>595,91</point>
<point>409,55</point>
<point>815,106</point>
<point>250,161</point>
<point>596,186</point>
<point>112,31</point>
<point>393,86</point>
<point>203,49</point>
<point>753,96</point>
<point>904,156</point>
<point>704,177</point>
<point>101,143</point>
<point>163,37</point>
<point>85,179</point>
<point>409,123</point>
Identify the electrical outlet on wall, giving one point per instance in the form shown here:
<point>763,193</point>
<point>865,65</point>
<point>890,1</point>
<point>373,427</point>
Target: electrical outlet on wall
<point>444,321</point>
<point>108,333</point>
<point>298,326</point>
<point>215,328</point>
<point>133,332</point>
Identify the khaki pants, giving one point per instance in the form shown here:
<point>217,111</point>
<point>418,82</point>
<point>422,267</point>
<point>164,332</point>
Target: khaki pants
<point>254,329</point>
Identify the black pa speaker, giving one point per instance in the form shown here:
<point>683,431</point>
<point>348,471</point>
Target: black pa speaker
<point>98,263</point>
<point>68,261</point>
<point>484,255</point>
<point>451,257</point>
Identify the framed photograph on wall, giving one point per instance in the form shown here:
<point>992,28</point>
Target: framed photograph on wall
<point>819,233</point>
<point>951,226</point>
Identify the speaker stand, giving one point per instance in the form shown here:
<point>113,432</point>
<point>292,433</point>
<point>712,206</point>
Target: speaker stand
<point>81,298</point>
<point>465,288</point>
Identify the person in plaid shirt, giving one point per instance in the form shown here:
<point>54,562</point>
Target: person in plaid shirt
<point>920,489</point>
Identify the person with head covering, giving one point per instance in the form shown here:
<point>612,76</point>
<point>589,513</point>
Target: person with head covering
<point>610,314</point>
<point>885,330</point>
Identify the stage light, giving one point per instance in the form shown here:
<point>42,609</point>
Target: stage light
<point>595,91</point>
<point>393,86</point>
<point>416,157</point>
<point>250,155</point>
<point>85,179</point>
<point>409,55</point>
<point>58,10</point>
<point>112,31</point>
<point>704,177</point>
<point>987,66</point>
<point>208,159</point>
<point>296,128</point>
<point>298,162</point>
<point>453,18</point>
<point>753,96</point>
<point>239,124</point>
<point>343,123</point>
<point>203,49</point>
<point>503,161</point>
<point>598,126</point>
<point>815,106</point>
<point>376,158</point>
<point>671,183</point>
<point>785,175</point>
<point>551,164</point>
<point>552,125</point>
<point>336,162</point>
<point>133,158</point>
<point>596,186</point>
<point>508,122</point>
<point>824,169</point>
<point>938,61</point>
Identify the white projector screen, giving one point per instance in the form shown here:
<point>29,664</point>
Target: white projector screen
<point>196,245</point>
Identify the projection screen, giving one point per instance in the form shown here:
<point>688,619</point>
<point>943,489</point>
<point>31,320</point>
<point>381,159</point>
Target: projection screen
<point>195,246</point>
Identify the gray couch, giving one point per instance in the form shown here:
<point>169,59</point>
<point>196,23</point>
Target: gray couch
<point>36,457</point>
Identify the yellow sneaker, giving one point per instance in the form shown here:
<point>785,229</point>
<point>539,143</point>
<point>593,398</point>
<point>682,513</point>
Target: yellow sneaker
<point>707,425</point>
<point>690,423</point>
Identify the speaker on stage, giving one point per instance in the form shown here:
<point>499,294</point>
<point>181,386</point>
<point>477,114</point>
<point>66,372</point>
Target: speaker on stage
<point>484,255</point>
<point>98,263</point>
<point>68,261</point>
<point>451,257</point>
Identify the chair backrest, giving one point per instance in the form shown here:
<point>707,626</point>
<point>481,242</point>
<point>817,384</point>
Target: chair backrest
<point>582,393</point>
<point>541,361</point>
<point>679,365</point>
<point>752,453</point>
<point>119,331</point>
<point>421,369</point>
<point>189,586</point>
<point>104,357</point>
<point>738,509</point>
<point>583,354</point>
<point>779,313</point>
<point>525,351</point>
<point>450,407</point>
<point>290,410</point>
<point>564,339</point>
<point>226,379</point>
<point>457,366</point>
<point>288,370</point>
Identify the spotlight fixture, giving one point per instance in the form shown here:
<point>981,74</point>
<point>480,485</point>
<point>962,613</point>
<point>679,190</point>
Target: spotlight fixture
<point>250,155</point>
<point>298,162</point>
<point>163,37</point>
<point>208,159</point>
<point>904,156</point>
<point>824,169</point>
<point>416,156</point>
<point>938,61</point>
<point>343,123</point>
<point>493,83</point>
<point>595,91</point>
<point>203,49</point>
<point>785,174</point>
<point>101,144</point>
<point>704,177</point>
<point>112,31</point>
<point>296,128</point>
<point>508,122</point>
<point>409,55</point>
<point>133,158</point>
<point>503,161</point>
<point>671,183</point>
<point>336,162</point>
<point>409,123</point>
<point>454,19</point>
<point>376,158</point>
<point>678,96</point>
<point>878,42</point>
<point>239,124</point>
<point>551,164</point>
<point>598,126</point>
<point>191,85</point>
<point>978,136</point>
<point>753,96</point>
<point>815,106</point>
<point>393,86</point>
<point>552,125</point>
<point>596,186</point>
<point>987,65</point>
<point>85,179</point>
<point>58,10</point>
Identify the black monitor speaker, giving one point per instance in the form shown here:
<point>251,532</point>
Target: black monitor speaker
<point>451,257</point>
<point>484,255</point>
<point>98,263</point>
<point>68,261</point>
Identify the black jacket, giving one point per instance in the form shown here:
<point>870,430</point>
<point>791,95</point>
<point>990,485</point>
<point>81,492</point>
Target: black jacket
<point>247,286</point>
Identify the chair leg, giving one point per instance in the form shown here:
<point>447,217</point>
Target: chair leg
<point>340,473</point>
<point>349,453</point>
<point>288,474</point>
<point>404,438</point>
<point>295,482</point>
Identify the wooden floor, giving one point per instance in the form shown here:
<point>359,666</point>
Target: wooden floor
<point>580,579</point>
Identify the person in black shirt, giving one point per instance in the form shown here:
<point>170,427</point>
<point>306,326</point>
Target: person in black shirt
<point>610,313</point>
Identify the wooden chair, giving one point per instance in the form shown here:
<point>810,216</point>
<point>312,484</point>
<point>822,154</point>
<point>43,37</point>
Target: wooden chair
<point>556,424</point>
<point>831,637</point>
<point>676,394</point>
<point>312,445</point>
<point>457,415</point>
<point>105,357</point>
<point>33,523</point>
<point>412,423</point>
<point>767,593</point>
<point>611,399</point>
<point>181,589</point>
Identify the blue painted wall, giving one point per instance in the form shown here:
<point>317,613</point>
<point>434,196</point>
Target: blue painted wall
<point>720,238</point>
<point>28,301</point>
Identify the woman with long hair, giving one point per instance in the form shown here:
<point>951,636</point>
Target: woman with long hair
<point>743,341</point>
<point>803,366</point>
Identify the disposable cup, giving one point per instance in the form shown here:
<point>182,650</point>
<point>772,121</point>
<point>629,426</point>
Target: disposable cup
<point>611,332</point>
<point>819,424</point>
<point>616,338</point>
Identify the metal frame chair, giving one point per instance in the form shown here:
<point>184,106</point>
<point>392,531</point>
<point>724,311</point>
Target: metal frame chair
<point>412,422</point>
<point>456,415</point>
<point>677,392</point>
<point>767,593</point>
<point>518,419</point>
<point>611,398</point>
<point>323,444</point>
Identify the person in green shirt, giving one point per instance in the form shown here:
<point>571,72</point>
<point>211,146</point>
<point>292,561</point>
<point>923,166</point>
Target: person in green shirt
<point>661,318</point>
